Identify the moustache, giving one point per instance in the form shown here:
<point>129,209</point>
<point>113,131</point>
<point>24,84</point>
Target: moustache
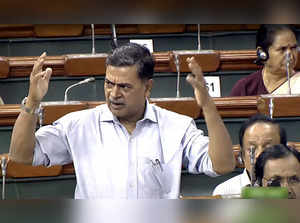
<point>116,102</point>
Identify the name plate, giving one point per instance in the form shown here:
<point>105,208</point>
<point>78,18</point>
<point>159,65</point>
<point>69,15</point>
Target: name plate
<point>144,42</point>
<point>213,86</point>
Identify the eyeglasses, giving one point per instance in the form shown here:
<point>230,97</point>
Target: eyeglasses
<point>279,181</point>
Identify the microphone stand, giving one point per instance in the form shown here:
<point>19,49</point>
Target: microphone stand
<point>76,84</point>
<point>271,107</point>
<point>176,60</point>
<point>199,43</point>
<point>288,61</point>
<point>4,162</point>
<point>252,163</point>
<point>114,36</point>
<point>93,39</point>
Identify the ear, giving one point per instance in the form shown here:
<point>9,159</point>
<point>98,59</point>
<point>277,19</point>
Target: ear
<point>240,158</point>
<point>149,84</point>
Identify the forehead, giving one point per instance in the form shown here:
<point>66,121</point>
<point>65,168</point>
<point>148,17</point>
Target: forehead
<point>122,74</point>
<point>284,38</point>
<point>262,130</point>
<point>284,167</point>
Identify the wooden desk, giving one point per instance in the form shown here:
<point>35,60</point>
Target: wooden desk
<point>227,107</point>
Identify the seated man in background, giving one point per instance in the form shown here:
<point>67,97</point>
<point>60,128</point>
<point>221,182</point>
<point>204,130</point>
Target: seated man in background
<point>279,166</point>
<point>259,132</point>
<point>126,148</point>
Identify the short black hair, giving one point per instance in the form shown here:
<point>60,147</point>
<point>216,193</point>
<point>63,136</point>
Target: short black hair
<point>266,34</point>
<point>260,118</point>
<point>272,153</point>
<point>133,54</point>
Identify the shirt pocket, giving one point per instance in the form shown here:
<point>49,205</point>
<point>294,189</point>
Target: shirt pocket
<point>152,179</point>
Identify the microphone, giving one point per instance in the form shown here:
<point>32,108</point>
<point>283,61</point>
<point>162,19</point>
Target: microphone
<point>114,36</point>
<point>252,164</point>
<point>3,165</point>
<point>87,80</point>
<point>3,168</point>
<point>93,39</point>
<point>288,59</point>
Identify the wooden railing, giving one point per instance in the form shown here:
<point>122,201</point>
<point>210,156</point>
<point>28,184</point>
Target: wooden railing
<point>17,170</point>
<point>88,64</point>
<point>76,30</point>
<point>227,107</point>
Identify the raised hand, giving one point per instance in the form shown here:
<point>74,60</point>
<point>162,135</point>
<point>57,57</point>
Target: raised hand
<point>197,81</point>
<point>39,80</point>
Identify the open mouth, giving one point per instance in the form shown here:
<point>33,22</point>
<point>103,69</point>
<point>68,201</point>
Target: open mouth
<point>116,105</point>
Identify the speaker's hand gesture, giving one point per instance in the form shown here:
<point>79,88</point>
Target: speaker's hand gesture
<point>196,79</point>
<point>39,80</point>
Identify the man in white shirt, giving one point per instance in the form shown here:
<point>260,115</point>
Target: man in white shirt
<point>126,148</point>
<point>258,132</point>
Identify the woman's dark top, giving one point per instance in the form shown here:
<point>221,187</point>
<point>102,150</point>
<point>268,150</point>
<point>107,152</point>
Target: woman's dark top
<point>250,85</point>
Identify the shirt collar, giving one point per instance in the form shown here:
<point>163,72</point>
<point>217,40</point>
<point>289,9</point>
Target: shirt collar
<point>149,114</point>
<point>245,178</point>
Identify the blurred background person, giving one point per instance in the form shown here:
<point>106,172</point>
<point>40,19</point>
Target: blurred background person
<point>1,101</point>
<point>259,131</point>
<point>279,166</point>
<point>273,44</point>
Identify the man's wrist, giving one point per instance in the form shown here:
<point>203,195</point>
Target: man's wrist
<point>30,108</point>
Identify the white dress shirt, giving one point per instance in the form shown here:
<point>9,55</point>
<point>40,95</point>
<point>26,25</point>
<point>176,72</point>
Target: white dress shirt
<point>233,186</point>
<point>111,163</point>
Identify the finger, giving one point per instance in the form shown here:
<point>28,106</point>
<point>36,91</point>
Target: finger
<point>38,76</point>
<point>194,67</point>
<point>48,73</point>
<point>191,79</point>
<point>38,65</point>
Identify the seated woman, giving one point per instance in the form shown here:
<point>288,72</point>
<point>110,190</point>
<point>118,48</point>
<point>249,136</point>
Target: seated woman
<point>274,43</point>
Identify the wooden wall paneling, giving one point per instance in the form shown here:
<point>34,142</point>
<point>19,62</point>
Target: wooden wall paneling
<point>22,66</point>
<point>105,29</point>
<point>208,59</point>
<point>162,61</point>
<point>9,114</point>
<point>85,64</point>
<point>245,106</point>
<point>4,67</point>
<point>16,30</point>
<point>58,30</point>
<point>54,110</point>
<point>283,106</point>
<point>238,60</point>
<point>220,27</point>
<point>18,170</point>
<point>89,64</point>
<point>160,28</point>
<point>184,106</point>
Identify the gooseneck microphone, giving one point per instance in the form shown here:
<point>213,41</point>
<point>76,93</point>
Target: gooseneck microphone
<point>76,84</point>
<point>288,59</point>
<point>93,39</point>
<point>114,36</point>
<point>3,168</point>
